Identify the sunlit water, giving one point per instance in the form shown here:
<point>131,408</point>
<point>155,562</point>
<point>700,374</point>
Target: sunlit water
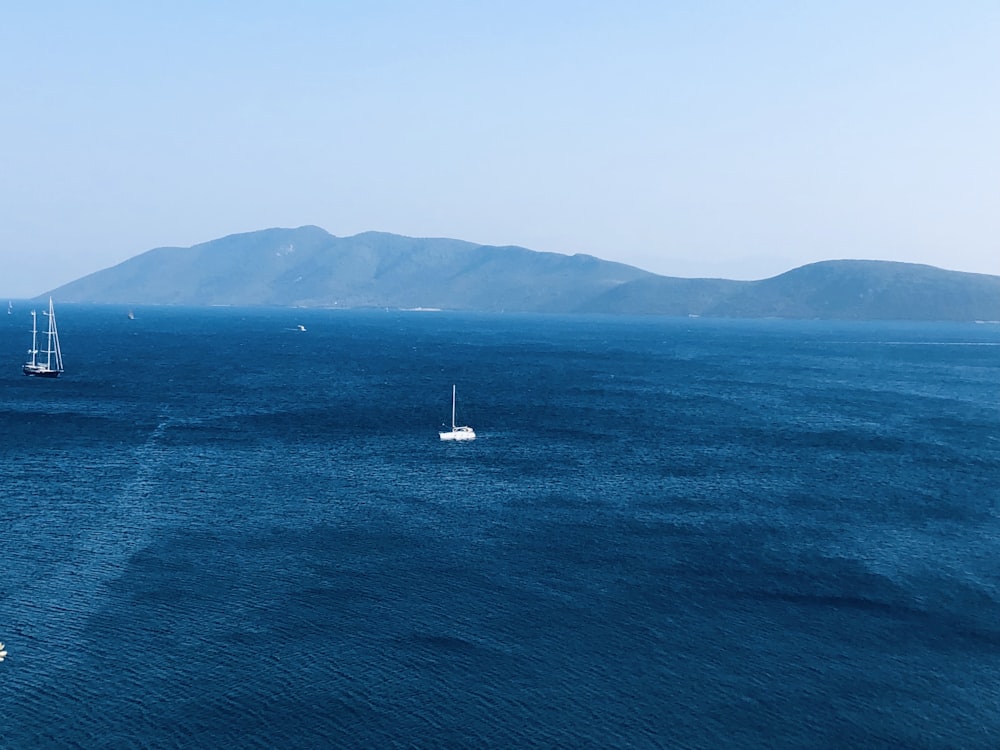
<point>218,530</point>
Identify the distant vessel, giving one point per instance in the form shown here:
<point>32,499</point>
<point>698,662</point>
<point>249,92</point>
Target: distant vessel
<point>10,307</point>
<point>53,354</point>
<point>457,433</point>
<point>131,315</point>
<point>302,328</point>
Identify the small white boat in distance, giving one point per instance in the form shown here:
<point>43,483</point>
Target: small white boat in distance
<point>457,433</point>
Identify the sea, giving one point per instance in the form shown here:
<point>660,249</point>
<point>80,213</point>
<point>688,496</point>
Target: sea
<point>220,531</point>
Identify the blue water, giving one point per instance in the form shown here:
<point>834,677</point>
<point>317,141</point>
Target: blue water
<point>219,531</point>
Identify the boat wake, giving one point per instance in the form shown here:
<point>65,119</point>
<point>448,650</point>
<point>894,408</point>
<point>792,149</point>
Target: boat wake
<point>51,615</point>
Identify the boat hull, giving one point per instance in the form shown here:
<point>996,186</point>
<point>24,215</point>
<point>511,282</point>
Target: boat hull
<point>39,372</point>
<point>459,433</point>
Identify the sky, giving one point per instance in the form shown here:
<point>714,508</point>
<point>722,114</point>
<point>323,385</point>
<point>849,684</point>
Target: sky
<point>718,138</point>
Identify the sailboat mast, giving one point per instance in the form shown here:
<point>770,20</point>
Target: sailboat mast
<point>453,408</point>
<point>48,339</point>
<point>53,348</point>
<point>34,337</point>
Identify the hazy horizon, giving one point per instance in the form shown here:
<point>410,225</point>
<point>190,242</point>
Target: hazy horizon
<point>725,141</point>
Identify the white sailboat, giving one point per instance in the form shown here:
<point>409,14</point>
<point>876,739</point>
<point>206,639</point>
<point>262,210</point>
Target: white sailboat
<point>53,364</point>
<point>457,433</point>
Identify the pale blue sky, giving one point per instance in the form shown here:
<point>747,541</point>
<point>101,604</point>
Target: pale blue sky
<point>731,138</point>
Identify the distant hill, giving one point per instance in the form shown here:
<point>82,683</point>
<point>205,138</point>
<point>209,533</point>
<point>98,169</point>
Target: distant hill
<point>309,267</point>
<point>832,289</point>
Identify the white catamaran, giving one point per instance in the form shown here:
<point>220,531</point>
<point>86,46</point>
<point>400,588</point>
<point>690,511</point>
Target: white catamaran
<point>53,364</point>
<point>457,433</point>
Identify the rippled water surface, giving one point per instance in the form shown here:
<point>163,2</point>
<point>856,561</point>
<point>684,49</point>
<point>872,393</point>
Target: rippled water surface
<point>218,530</point>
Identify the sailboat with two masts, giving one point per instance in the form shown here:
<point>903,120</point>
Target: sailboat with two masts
<point>457,433</point>
<point>53,364</point>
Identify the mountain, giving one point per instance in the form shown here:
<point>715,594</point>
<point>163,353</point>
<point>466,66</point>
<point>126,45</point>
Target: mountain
<point>832,289</point>
<point>309,267</point>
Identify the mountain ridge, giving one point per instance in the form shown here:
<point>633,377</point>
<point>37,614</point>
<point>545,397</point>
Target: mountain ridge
<point>307,266</point>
